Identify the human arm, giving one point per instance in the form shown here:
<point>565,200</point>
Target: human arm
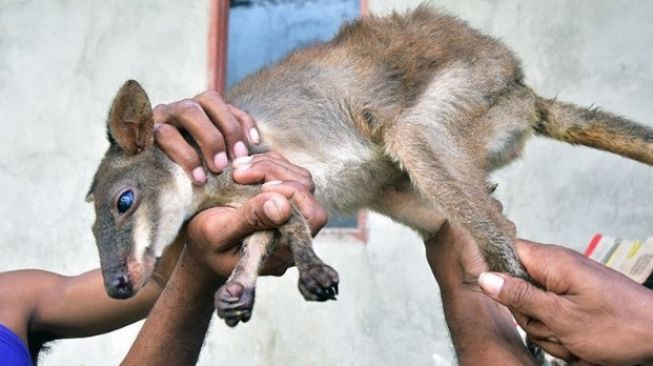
<point>482,331</point>
<point>175,330</point>
<point>584,311</point>
<point>41,306</point>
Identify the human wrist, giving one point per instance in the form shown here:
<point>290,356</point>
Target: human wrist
<point>454,261</point>
<point>452,278</point>
<point>191,267</point>
<point>461,299</point>
<point>183,311</point>
<point>475,319</point>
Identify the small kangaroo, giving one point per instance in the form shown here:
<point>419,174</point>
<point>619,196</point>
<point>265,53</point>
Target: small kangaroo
<point>405,115</point>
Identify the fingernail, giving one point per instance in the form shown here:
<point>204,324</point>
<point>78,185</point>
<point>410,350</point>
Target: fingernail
<point>491,283</point>
<point>242,161</point>
<point>272,210</point>
<point>272,183</point>
<point>198,175</point>
<point>254,136</point>
<point>221,161</point>
<point>157,126</point>
<point>240,149</point>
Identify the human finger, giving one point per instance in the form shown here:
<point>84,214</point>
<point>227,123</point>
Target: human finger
<point>247,123</point>
<point>174,145</point>
<point>225,121</point>
<point>533,327</point>
<point>316,216</point>
<point>547,263</point>
<point>554,348</point>
<point>190,115</point>
<point>276,155</point>
<point>517,294</point>
<point>221,228</point>
<point>263,168</point>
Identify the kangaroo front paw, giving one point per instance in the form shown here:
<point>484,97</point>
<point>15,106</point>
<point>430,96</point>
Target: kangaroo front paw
<point>319,283</point>
<point>234,303</point>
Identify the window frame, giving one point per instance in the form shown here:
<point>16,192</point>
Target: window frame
<point>217,75</point>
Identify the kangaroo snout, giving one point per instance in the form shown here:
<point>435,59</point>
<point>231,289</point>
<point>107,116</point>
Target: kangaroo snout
<point>122,282</point>
<point>118,285</point>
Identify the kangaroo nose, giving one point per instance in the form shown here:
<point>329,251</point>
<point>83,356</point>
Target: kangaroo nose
<point>119,286</point>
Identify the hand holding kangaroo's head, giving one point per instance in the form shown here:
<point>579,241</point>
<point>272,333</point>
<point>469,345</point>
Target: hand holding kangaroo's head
<point>141,197</point>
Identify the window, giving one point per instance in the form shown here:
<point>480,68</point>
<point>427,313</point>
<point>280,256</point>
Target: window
<point>248,34</point>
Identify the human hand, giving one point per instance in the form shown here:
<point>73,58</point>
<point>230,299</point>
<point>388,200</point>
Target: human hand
<point>220,230</point>
<point>454,257</point>
<point>586,311</point>
<point>472,317</point>
<point>221,131</point>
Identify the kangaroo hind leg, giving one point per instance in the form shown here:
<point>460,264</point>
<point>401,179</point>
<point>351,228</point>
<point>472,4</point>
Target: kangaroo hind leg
<point>317,280</point>
<point>445,175</point>
<point>234,301</point>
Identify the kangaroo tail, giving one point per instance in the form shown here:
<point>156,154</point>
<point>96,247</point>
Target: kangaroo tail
<point>595,128</point>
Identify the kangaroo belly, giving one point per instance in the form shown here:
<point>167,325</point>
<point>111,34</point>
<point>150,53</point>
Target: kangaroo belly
<point>348,171</point>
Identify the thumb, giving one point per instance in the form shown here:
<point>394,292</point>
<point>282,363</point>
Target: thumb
<point>265,211</point>
<point>223,227</point>
<point>516,294</point>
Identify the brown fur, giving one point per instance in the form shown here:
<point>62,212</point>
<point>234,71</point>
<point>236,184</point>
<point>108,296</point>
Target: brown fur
<point>405,114</point>
<point>595,128</point>
<point>131,119</point>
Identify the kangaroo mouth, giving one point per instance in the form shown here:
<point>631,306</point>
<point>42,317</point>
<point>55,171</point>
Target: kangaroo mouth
<point>123,282</point>
<point>140,271</point>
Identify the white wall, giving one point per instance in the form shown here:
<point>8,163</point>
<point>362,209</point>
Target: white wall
<point>61,61</point>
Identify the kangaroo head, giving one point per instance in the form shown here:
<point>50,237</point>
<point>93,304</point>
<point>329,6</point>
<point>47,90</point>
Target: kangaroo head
<point>141,197</point>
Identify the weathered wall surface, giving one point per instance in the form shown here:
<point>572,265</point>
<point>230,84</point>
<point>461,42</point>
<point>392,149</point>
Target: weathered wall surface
<point>61,62</point>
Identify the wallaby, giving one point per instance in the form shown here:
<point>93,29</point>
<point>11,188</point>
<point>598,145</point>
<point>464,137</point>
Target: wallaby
<point>405,115</point>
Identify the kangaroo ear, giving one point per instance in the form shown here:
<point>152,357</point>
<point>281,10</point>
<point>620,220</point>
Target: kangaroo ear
<point>131,121</point>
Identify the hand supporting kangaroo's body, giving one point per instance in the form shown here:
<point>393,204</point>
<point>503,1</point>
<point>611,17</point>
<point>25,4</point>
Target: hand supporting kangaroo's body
<point>405,115</point>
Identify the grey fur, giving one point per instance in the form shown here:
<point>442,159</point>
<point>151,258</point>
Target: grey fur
<point>405,114</point>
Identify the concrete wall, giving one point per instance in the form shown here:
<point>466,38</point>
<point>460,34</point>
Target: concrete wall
<point>61,62</point>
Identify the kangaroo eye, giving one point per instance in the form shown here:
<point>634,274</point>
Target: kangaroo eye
<point>125,201</point>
